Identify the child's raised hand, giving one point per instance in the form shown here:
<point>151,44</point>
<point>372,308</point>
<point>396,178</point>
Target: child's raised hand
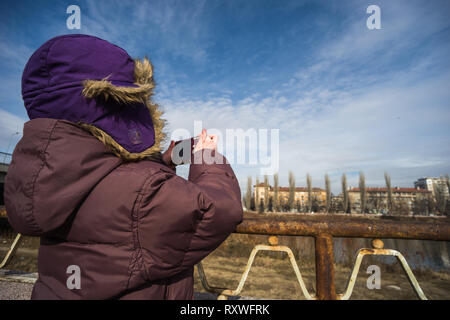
<point>206,141</point>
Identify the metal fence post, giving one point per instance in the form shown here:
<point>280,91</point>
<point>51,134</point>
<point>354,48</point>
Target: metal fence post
<point>325,288</point>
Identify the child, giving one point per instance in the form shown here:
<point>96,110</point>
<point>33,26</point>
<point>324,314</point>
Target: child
<point>89,178</point>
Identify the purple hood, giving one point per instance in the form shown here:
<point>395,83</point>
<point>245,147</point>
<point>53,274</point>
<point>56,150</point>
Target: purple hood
<point>55,77</point>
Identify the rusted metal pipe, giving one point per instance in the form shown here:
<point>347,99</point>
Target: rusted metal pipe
<point>325,288</point>
<point>344,226</point>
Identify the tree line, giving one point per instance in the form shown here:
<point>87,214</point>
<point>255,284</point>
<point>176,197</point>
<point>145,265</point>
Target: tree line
<point>369,202</point>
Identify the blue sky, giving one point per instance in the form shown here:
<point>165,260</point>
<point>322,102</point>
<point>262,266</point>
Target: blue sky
<point>345,98</point>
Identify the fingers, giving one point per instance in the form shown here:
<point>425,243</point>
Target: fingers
<point>206,141</point>
<point>203,136</point>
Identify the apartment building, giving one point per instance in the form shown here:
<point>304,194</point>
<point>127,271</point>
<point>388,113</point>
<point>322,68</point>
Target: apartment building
<point>430,184</point>
<point>376,198</point>
<point>301,194</point>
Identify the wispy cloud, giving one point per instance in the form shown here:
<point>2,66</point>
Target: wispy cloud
<point>162,27</point>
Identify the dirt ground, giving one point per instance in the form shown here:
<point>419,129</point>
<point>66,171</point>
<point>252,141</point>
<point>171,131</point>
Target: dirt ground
<point>272,276</point>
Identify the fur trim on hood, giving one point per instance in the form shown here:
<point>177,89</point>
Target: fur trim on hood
<point>142,93</point>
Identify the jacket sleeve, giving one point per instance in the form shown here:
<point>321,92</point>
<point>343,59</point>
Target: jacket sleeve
<point>182,221</point>
<point>219,186</point>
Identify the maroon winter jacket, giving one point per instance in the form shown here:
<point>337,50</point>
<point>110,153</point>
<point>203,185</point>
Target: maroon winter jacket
<point>134,229</point>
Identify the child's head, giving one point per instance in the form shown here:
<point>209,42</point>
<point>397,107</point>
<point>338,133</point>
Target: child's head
<point>87,80</point>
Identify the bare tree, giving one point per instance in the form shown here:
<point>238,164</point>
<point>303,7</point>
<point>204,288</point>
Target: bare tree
<point>345,202</point>
<point>440,197</point>
<point>362,191</point>
<point>328,193</point>
<point>276,196</point>
<point>431,204</point>
<point>387,179</point>
<point>374,201</point>
<point>248,194</point>
<point>270,205</point>
<point>315,204</point>
<point>400,207</point>
<point>253,203</point>
<point>298,206</point>
<point>447,182</point>
<point>419,206</point>
<point>257,201</point>
<point>336,204</point>
<point>266,193</point>
<point>261,205</point>
<point>309,191</point>
<point>291,201</point>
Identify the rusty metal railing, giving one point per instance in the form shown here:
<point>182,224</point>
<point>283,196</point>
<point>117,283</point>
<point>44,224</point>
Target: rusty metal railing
<point>273,241</point>
<point>323,228</point>
<point>379,250</point>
